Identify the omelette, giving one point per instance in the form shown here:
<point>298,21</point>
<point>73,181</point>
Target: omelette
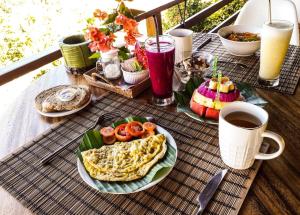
<point>125,161</point>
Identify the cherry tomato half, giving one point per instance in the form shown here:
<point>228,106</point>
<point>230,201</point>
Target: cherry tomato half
<point>135,128</point>
<point>121,134</point>
<point>109,140</point>
<point>149,126</point>
<point>107,131</point>
<point>148,134</point>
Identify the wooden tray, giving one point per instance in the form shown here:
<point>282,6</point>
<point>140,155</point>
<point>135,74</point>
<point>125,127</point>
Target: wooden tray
<point>130,93</point>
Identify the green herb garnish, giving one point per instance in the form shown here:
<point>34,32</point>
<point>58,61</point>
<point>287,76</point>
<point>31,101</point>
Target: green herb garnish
<point>215,67</point>
<point>137,67</point>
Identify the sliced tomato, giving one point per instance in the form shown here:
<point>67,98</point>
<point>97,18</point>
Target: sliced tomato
<point>197,108</point>
<point>107,131</point>
<point>149,126</point>
<point>212,113</point>
<point>148,134</point>
<point>135,128</point>
<point>109,139</point>
<point>121,133</point>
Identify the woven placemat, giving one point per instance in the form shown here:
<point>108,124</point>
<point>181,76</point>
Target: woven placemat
<point>58,188</point>
<point>289,76</point>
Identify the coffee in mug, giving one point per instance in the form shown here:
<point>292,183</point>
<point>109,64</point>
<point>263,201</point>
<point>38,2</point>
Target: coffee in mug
<point>242,127</point>
<point>243,119</point>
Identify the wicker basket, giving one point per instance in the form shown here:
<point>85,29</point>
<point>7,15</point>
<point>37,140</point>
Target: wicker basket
<point>76,54</point>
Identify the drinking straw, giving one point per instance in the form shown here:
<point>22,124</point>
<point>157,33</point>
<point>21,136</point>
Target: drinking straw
<point>218,86</point>
<point>156,33</point>
<point>182,17</point>
<point>270,14</point>
<point>215,67</point>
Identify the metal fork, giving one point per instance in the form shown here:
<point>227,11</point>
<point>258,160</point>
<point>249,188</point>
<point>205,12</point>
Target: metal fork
<point>151,119</point>
<point>100,119</point>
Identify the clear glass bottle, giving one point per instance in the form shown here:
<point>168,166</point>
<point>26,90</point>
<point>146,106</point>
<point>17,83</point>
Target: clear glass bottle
<point>110,64</point>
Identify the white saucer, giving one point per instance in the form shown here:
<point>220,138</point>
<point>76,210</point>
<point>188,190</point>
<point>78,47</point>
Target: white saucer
<point>64,113</point>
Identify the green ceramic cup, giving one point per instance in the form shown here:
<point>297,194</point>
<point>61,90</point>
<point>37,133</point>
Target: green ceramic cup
<point>76,54</point>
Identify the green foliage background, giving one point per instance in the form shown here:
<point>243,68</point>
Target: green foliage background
<point>24,38</point>
<point>172,15</point>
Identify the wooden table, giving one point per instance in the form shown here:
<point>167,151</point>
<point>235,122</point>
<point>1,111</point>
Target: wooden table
<point>276,189</point>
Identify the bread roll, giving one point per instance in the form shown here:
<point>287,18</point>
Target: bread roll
<point>51,100</point>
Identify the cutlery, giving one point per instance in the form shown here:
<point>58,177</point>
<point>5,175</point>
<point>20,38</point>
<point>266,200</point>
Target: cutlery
<point>203,44</point>
<point>244,66</point>
<point>209,190</point>
<point>151,119</point>
<point>100,119</point>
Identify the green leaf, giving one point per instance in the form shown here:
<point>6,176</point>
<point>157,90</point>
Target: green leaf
<point>250,95</point>
<point>128,13</point>
<point>123,53</point>
<point>122,8</point>
<point>129,119</point>
<point>182,98</point>
<point>111,18</point>
<point>90,21</point>
<point>112,27</point>
<point>192,84</point>
<point>92,139</point>
<point>124,49</point>
<point>136,118</point>
<point>197,80</point>
<point>106,31</point>
<point>95,55</point>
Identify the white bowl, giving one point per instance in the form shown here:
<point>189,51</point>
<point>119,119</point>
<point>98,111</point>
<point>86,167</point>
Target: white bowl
<point>239,48</point>
<point>134,77</point>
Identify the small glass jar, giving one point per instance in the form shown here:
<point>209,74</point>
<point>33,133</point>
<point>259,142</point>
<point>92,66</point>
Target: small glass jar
<point>110,65</point>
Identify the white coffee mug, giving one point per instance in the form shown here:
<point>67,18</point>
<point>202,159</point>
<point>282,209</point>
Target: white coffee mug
<point>183,43</point>
<point>240,146</point>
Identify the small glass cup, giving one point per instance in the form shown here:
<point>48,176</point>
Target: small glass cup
<point>161,68</point>
<point>275,39</point>
<point>110,63</point>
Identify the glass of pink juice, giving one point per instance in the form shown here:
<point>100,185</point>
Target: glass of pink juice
<point>161,68</point>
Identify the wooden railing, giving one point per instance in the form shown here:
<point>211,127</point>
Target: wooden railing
<point>22,67</point>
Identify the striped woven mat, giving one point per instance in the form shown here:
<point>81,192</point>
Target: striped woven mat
<point>58,189</point>
<point>290,72</point>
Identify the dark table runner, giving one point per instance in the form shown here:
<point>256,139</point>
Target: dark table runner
<point>290,72</point>
<point>58,188</point>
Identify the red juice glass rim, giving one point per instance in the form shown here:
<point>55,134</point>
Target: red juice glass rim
<point>166,43</point>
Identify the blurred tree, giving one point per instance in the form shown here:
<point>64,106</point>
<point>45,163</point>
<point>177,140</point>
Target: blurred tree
<point>11,45</point>
<point>172,15</point>
<point>30,26</point>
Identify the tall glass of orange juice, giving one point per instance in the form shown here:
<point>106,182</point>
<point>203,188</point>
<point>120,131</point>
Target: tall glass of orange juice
<point>275,39</point>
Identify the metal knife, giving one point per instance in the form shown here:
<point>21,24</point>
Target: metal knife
<point>209,190</point>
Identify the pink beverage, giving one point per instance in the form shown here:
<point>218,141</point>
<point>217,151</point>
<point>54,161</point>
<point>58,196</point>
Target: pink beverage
<point>161,68</point>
